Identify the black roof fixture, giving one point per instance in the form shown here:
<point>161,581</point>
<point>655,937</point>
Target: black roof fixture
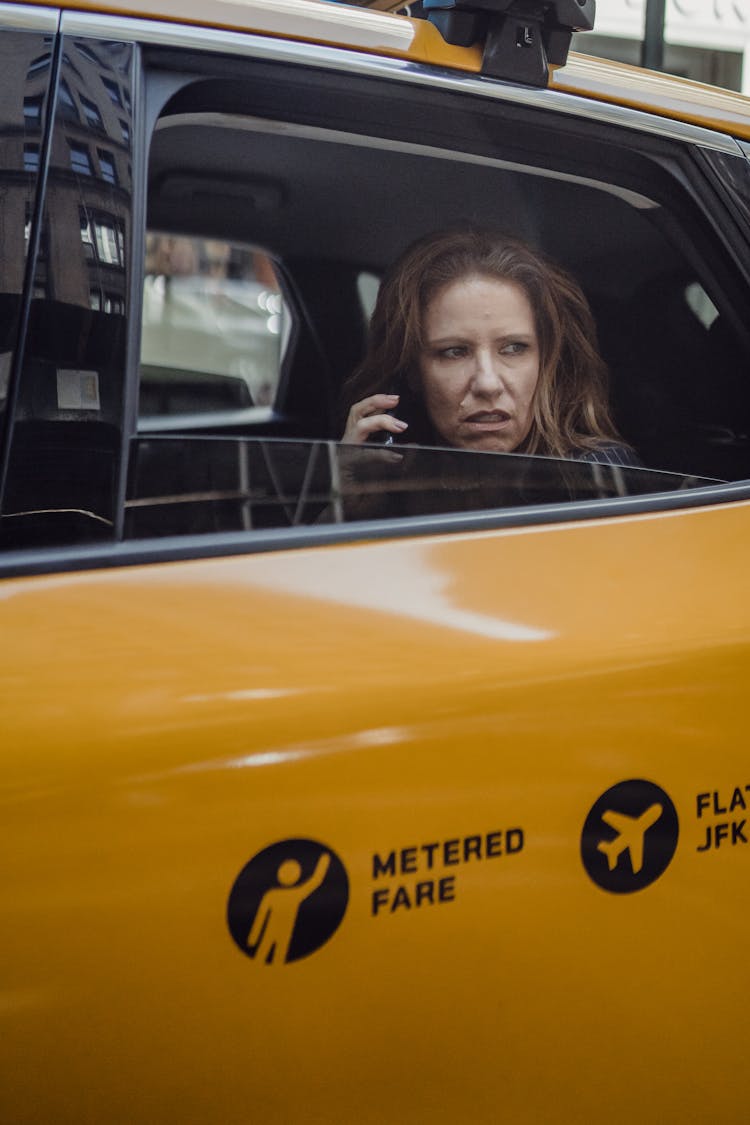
<point>522,38</point>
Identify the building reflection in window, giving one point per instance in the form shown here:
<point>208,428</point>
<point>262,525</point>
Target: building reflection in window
<point>113,90</point>
<point>80,160</point>
<point>31,158</point>
<point>32,110</point>
<point>103,301</point>
<point>107,166</point>
<point>36,66</point>
<point>67,105</point>
<point>92,114</point>
<point>103,238</point>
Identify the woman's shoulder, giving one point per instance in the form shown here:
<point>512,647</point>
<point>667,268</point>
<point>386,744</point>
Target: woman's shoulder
<point>610,453</point>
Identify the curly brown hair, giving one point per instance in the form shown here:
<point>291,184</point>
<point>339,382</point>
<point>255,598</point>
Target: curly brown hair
<point>570,408</point>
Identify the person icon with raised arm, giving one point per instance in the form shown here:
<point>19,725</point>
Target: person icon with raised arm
<point>273,926</point>
<point>287,901</point>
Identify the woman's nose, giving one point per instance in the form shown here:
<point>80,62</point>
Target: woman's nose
<point>487,375</point>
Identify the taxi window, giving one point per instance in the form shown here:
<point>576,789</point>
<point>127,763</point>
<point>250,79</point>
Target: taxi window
<point>367,290</point>
<point>213,328</point>
<point>309,183</point>
<point>204,485</point>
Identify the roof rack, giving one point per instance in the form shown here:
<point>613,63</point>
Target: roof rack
<point>522,38</point>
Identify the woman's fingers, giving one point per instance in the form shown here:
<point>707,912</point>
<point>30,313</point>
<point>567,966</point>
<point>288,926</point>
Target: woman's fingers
<point>373,424</point>
<point>369,417</point>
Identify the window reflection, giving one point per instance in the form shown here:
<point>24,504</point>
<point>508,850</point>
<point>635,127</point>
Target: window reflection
<point>36,66</point>
<point>90,210</point>
<point>102,301</point>
<point>109,242</point>
<point>107,166</point>
<point>103,238</point>
<point>80,161</point>
<point>67,105</point>
<point>32,110</point>
<point>92,114</point>
<point>113,90</point>
<point>85,51</point>
<point>31,158</point>
<point>70,390</point>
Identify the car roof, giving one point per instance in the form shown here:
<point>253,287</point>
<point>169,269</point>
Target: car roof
<point>383,33</point>
<point>662,94</point>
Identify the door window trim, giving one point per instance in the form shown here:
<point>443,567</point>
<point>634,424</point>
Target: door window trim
<point>209,40</point>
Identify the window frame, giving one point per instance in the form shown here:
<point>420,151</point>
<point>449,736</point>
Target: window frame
<point>309,58</point>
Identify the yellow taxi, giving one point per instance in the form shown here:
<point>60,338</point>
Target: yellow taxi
<point>430,810</point>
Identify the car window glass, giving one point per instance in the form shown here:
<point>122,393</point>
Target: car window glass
<point>188,486</point>
<point>367,289</point>
<point>213,329</point>
<point>314,197</point>
<point>701,304</point>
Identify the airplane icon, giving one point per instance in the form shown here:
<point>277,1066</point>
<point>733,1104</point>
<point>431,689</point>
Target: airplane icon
<point>631,831</point>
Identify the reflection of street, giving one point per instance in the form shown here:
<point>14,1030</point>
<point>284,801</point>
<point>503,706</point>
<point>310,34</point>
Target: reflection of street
<point>273,927</point>
<point>210,308</point>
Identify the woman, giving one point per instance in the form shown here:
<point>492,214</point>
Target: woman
<point>478,342</point>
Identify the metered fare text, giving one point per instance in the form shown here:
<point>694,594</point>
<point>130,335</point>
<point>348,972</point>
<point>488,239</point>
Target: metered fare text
<point>423,875</point>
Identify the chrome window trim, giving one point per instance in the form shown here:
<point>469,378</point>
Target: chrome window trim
<point>26,17</point>
<point>352,61</point>
<point>357,140</point>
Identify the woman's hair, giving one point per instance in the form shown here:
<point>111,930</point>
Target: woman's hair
<point>570,406</point>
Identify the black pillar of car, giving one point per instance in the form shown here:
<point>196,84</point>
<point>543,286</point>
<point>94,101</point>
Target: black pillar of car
<point>522,38</point>
<point>67,447</point>
<point>652,48</point>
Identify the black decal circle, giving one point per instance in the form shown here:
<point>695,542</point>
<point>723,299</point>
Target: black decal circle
<point>629,837</point>
<point>287,901</point>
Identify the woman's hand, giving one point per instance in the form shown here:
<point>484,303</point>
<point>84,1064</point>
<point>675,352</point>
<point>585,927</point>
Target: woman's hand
<point>370,417</point>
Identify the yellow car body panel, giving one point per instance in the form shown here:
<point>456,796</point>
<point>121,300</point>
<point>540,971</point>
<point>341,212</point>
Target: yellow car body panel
<point>307,21</point>
<point>164,725</point>
<point>662,94</point>
<point>439,719</point>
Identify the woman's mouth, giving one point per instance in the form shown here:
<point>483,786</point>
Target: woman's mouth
<point>488,419</point>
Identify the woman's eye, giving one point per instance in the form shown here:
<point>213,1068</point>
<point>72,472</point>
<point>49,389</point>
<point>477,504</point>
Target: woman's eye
<point>452,353</point>
<point>515,347</point>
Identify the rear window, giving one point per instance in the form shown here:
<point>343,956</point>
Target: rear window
<point>213,327</point>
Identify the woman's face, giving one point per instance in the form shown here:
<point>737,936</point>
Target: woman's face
<point>480,363</point>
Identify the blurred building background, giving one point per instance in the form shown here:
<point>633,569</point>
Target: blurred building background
<point>707,40</point>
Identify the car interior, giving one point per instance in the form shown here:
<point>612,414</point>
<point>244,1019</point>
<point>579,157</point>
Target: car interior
<point>332,205</point>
